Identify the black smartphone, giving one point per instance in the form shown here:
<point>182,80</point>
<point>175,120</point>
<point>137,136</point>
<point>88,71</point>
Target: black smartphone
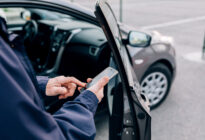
<point>109,72</point>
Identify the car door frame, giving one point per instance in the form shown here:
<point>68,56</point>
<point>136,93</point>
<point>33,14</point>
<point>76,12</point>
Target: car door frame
<point>138,113</point>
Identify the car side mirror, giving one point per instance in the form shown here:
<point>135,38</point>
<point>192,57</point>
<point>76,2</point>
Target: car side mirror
<point>138,39</point>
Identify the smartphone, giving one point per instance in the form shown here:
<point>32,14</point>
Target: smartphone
<point>109,72</point>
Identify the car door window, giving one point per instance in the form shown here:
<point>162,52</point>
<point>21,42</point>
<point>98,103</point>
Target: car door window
<point>12,15</point>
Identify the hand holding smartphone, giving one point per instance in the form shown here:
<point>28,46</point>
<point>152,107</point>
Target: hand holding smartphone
<point>109,72</point>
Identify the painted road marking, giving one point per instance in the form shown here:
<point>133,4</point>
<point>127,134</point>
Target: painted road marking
<point>172,23</point>
<point>195,57</point>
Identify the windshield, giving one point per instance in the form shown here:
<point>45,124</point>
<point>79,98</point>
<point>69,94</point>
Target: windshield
<point>48,15</point>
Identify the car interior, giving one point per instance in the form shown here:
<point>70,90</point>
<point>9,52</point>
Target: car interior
<point>59,44</point>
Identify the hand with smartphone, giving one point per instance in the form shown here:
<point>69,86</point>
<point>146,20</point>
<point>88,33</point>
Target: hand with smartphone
<point>66,86</point>
<point>98,88</point>
<point>96,85</point>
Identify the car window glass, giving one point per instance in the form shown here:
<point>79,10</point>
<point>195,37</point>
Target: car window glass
<point>49,15</point>
<point>12,15</point>
<point>15,16</point>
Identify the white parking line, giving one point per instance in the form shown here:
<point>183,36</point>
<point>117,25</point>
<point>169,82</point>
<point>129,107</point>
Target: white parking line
<point>177,22</point>
<point>194,57</point>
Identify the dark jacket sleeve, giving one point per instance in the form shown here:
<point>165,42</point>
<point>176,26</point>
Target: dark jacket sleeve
<point>42,82</point>
<point>80,123</point>
<point>22,118</point>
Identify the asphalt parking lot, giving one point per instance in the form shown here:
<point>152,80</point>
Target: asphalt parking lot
<point>181,116</point>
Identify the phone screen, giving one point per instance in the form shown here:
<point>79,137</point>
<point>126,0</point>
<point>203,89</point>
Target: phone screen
<point>109,72</point>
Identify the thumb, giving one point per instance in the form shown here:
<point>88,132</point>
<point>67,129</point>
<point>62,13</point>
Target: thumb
<point>101,83</point>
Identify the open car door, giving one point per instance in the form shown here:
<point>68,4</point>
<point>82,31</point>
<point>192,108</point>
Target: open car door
<point>136,121</point>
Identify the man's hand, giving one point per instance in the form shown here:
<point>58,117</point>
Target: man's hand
<point>98,88</point>
<point>63,86</point>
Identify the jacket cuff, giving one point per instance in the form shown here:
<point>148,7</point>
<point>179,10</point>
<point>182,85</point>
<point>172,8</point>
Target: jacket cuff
<point>42,82</point>
<point>89,100</point>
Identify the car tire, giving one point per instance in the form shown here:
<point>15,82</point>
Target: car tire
<point>156,83</point>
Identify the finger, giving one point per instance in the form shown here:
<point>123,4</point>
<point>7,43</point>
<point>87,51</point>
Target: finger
<point>101,83</point>
<point>89,80</point>
<point>61,96</point>
<point>76,81</point>
<point>59,90</point>
<point>68,95</point>
<point>64,96</point>
<point>72,89</point>
<point>79,88</point>
<point>63,80</point>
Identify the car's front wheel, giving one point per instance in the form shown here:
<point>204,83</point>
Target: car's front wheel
<point>156,83</point>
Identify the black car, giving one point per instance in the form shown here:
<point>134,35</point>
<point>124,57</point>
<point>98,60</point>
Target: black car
<point>81,46</point>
